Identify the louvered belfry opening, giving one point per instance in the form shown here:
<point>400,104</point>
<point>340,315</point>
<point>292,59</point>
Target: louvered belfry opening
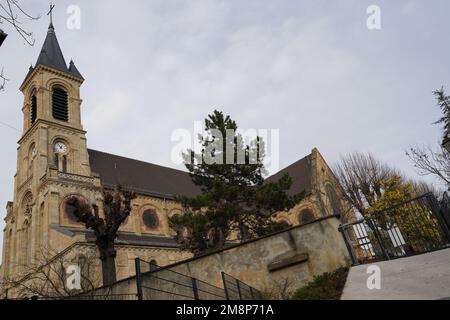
<point>59,101</point>
<point>33,109</point>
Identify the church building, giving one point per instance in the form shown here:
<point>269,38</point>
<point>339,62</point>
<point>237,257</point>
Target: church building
<point>54,163</point>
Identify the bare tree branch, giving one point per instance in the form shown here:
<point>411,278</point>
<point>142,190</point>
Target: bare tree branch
<point>12,13</point>
<point>431,162</point>
<point>116,208</point>
<point>362,177</point>
<point>45,276</point>
<point>2,80</point>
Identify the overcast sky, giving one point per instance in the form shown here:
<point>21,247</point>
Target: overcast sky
<point>309,68</point>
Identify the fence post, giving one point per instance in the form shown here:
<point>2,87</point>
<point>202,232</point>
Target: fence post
<point>436,209</point>
<point>379,238</point>
<point>137,265</point>
<point>343,231</point>
<point>195,288</point>
<point>239,289</point>
<point>225,286</point>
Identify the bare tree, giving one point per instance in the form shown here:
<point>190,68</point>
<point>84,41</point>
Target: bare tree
<point>281,289</point>
<point>435,162</point>
<point>362,176</point>
<point>13,14</point>
<point>46,276</point>
<point>116,208</point>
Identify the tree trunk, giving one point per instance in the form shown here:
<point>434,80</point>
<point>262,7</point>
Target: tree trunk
<point>108,258</point>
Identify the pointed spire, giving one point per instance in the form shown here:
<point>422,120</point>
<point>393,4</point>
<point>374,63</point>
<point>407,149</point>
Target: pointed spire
<point>74,71</point>
<point>51,56</point>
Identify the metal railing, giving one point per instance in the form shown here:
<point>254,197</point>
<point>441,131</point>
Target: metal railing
<point>100,297</point>
<point>238,290</point>
<point>413,227</point>
<point>167,284</point>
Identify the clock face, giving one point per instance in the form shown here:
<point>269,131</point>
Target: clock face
<point>60,147</point>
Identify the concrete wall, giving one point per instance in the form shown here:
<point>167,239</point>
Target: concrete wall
<point>290,258</point>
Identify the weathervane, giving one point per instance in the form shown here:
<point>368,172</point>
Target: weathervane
<point>50,12</point>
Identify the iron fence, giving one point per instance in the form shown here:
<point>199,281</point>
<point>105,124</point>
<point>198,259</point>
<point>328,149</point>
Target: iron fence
<point>413,227</point>
<point>166,284</point>
<point>238,290</point>
<point>101,297</point>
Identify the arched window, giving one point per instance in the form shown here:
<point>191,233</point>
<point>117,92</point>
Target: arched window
<point>334,200</point>
<point>33,113</point>
<point>153,265</point>
<point>61,151</point>
<point>64,163</point>
<point>60,108</point>
<point>27,204</point>
<point>305,216</point>
<point>150,218</point>
<point>69,211</point>
<point>30,159</point>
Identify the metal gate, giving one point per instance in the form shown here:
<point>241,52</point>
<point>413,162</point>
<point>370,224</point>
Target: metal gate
<point>413,227</point>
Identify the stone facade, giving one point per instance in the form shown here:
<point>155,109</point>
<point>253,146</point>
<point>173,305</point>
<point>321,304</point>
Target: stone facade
<point>276,265</point>
<point>53,163</point>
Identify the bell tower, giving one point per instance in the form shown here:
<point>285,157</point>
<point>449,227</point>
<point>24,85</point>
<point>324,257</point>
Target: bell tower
<point>52,105</point>
<point>52,159</point>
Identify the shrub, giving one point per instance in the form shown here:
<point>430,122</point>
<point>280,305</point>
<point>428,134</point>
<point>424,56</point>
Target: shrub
<point>327,286</point>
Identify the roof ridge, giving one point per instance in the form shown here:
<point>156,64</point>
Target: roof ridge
<point>138,160</point>
<point>290,165</point>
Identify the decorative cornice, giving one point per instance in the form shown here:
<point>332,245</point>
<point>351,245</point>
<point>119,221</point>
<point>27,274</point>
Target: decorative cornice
<point>63,128</point>
<point>40,67</point>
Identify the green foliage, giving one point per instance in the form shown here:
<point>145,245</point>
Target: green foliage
<point>234,200</point>
<point>327,286</point>
<point>444,103</point>
<point>416,223</point>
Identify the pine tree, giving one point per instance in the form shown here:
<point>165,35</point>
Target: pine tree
<point>444,103</point>
<point>234,200</point>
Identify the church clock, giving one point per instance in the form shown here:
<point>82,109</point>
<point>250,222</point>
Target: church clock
<point>60,148</point>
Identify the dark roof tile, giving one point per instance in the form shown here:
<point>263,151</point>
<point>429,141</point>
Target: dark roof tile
<point>300,172</point>
<point>141,176</point>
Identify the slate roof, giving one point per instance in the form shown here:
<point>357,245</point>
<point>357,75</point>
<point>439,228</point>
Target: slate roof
<point>141,176</point>
<point>155,180</point>
<point>51,56</point>
<point>300,172</point>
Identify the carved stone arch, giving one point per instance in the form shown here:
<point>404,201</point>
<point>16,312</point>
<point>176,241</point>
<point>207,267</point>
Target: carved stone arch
<point>153,264</point>
<point>63,161</point>
<point>284,221</point>
<point>306,215</point>
<point>29,158</point>
<point>30,88</point>
<point>26,205</point>
<point>60,138</point>
<point>174,212</point>
<point>150,217</point>
<point>66,210</point>
<point>60,94</point>
<point>333,199</point>
<point>66,85</point>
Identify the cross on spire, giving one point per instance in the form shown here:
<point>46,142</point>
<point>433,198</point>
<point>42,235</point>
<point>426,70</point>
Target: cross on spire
<point>50,13</point>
